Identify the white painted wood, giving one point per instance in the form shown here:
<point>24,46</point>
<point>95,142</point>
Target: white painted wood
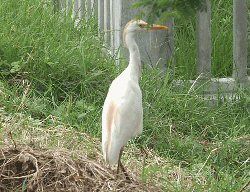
<point>93,7</point>
<point>100,5</point>
<point>154,46</point>
<point>210,86</point>
<point>78,10</point>
<point>112,16</point>
<point>204,41</point>
<point>212,90</point>
<point>75,9</point>
<point>170,48</point>
<point>81,9</point>
<point>117,29</point>
<point>87,8</point>
<point>240,40</point>
<point>90,8</point>
<point>62,5</point>
<point>248,32</point>
<point>106,26</point>
<point>56,5</point>
<point>69,6</point>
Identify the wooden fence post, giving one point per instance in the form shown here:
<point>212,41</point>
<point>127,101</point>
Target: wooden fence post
<point>75,9</point>
<point>248,57</point>
<point>56,5</point>
<point>100,11</point>
<point>155,47</point>
<point>90,8</point>
<point>106,26</point>
<point>204,40</point>
<point>117,23</point>
<point>78,9</point>
<point>69,5</point>
<point>112,16</point>
<point>240,40</point>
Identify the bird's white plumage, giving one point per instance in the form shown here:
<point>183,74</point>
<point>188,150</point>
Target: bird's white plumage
<point>122,115</point>
<point>124,101</point>
<point>122,111</point>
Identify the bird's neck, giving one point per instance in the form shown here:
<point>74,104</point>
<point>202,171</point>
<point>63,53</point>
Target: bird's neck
<point>134,56</point>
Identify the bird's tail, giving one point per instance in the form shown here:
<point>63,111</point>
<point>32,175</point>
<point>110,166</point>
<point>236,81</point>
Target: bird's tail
<point>111,152</point>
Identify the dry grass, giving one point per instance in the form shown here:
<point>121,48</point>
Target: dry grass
<point>24,168</point>
<point>49,156</point>
<point>34,157</point>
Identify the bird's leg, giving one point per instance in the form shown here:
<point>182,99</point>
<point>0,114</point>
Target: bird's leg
<point>121,165</point>
<point>143,151</point>
<point>118,165</point>
<point>145,156</point>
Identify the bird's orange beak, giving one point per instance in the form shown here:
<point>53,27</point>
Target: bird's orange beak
<point>153,27</point>
<point>158,27</point>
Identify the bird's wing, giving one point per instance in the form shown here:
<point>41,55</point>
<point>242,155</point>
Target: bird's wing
<point>121,119</point>
<point>109,110</point>
<point>128,116</point>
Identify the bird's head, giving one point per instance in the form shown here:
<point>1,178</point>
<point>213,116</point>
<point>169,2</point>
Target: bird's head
<point>140,25</point>
<point>134,26</point>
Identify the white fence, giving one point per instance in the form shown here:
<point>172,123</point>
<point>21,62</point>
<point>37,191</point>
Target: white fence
<point>157,47</point>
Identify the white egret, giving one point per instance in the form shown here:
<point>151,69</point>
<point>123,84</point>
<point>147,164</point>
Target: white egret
<point>122,115</point>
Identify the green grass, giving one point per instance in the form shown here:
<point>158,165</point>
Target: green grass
<point>45,49</point>
<point>49,68</point>
<point>222,42</point>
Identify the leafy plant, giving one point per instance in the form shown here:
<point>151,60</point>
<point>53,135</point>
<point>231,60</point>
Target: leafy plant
<point>46,49</point>
<point>65,77</point>
<point>165,8</point>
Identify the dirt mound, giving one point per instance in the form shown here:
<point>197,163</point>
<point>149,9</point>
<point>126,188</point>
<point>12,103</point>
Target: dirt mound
<point>28,169</point>
<point>50,156</point>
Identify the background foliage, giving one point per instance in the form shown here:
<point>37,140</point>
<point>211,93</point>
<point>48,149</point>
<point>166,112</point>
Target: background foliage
<point>165,8</point>
<point>53,72</point>
<point>184,14</point>
<point>46,50</point>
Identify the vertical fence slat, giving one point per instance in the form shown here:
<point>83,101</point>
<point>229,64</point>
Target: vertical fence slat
<point>93,8</point>
<point>100,14</point>
<point>204,40</point>
<point>111,27</point>
<point>90,9</point>
<point>117,28</point>
<point>106,21</point>
<point>81,12</point>
<point>248,32</point>
<point>87,8</point>
<point>62,5</point>
<point>75,9</point>
<point>240,40</point>
<point>56,5</point>
<point>69,6</point>
<point>170,46</point>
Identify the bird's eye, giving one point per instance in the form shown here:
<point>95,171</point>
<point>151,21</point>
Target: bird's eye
<point>140,25</point>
